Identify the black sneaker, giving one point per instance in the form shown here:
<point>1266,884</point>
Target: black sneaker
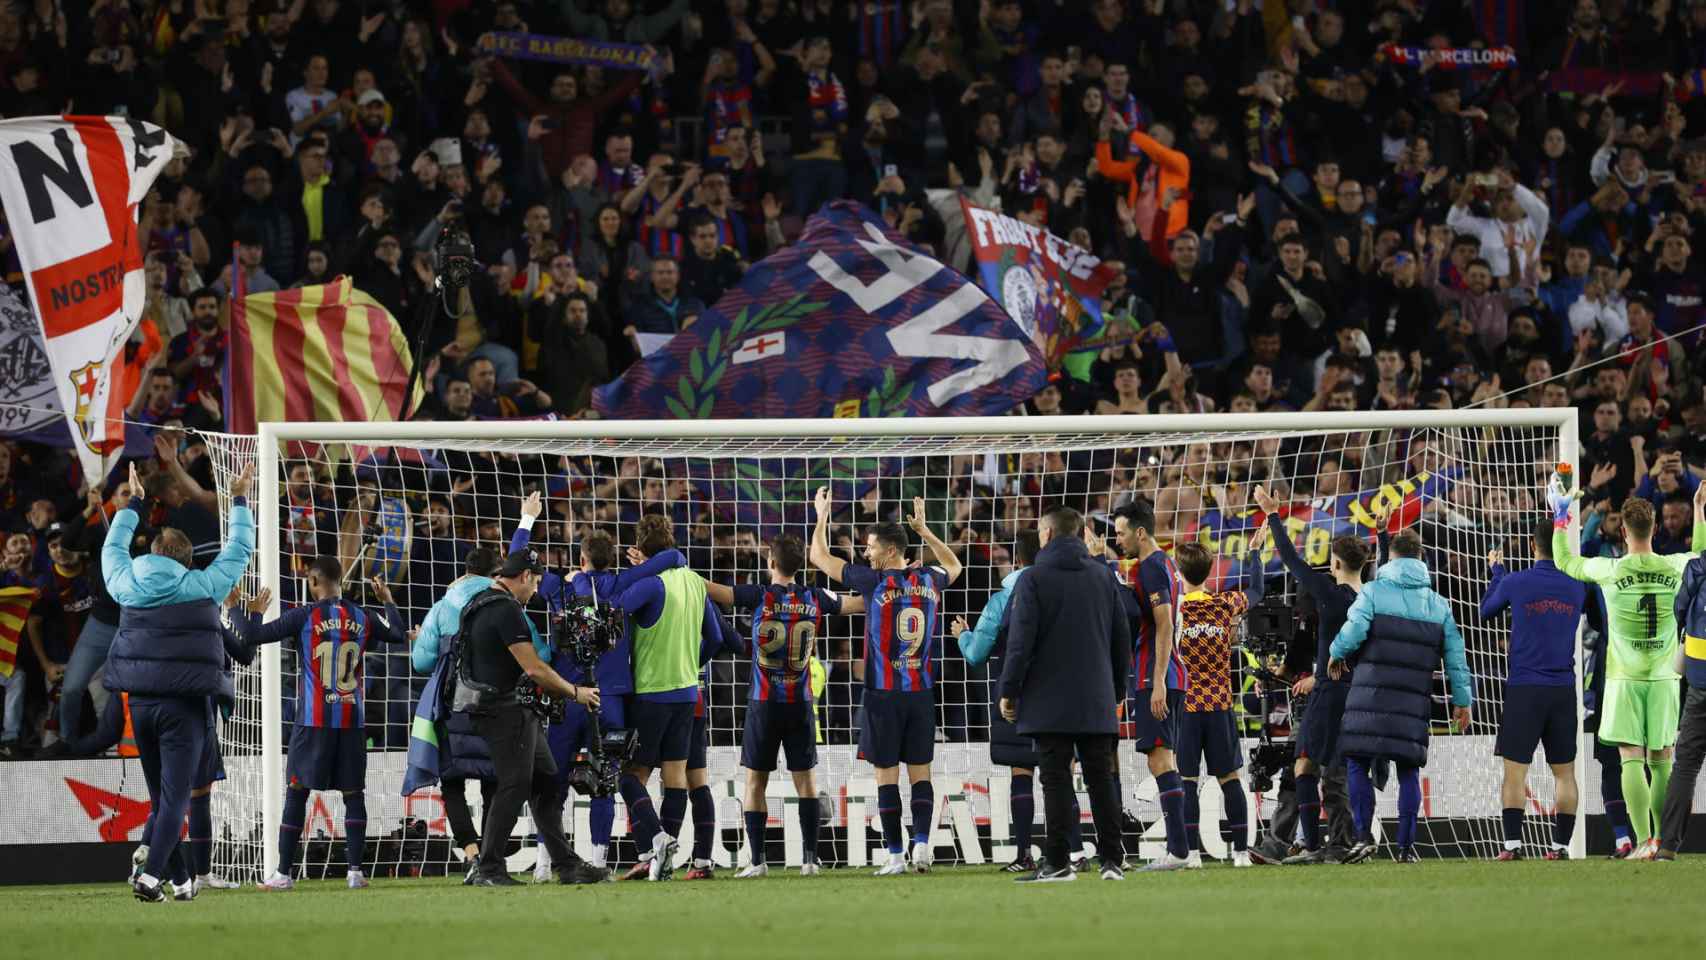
<point>473,872</point>
<point>1048,874</point>
<point>148,893</point>
<point>1307,857</point>
<point>1021,865</point>
<point>496,880</point>
<point>1361,852</point>
<point>58,750</point>
<point>583,872</point>
<point>1266,856</point>
<point>1112,870</point>
<point>1336,853</point>
<point>1409,855</point>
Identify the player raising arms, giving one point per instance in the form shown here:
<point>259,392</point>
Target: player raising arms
<point>328,748</point>
<point>1159,678</point>
<point>1642,699</point>
<point>786,619</point>
<point>898,724</point>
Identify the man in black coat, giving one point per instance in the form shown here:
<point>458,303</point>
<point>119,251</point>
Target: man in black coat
<point>1068,656</point>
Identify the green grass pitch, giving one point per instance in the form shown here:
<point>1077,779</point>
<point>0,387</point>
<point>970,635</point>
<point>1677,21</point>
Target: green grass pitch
<point>1439,910</point>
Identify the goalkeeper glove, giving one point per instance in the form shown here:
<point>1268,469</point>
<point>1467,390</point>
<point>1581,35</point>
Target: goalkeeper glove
<point>1559,500</point>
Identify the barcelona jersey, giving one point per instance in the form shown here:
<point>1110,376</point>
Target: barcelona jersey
<point>900,624</point>
<point>786,620</point>
<point>331,639</point>
<point>1156,582</point>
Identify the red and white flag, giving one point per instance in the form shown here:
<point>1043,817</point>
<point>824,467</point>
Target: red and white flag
<point>72,187</point>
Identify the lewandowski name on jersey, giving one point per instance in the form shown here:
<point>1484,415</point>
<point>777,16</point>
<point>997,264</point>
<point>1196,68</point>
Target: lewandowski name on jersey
<point>851,320</point>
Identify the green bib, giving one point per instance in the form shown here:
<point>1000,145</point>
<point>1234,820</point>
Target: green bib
<point>666,654</point>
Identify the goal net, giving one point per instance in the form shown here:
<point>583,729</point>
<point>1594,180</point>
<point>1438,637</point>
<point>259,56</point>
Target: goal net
<point>410,500</point>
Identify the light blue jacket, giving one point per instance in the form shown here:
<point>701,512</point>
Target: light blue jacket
<point>977,643</point>
<point>445,618</point>
<point>156,581</point>
<point>1403,590</point>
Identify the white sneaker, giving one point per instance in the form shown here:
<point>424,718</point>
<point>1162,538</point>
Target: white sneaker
<point>184,892</point>
<point>1166,862</point>
<point>1193,860</point>
<point>921,857</point>
<point>1240,858</point>
<point>810,868</point>
<point>1645,851</point>
<point>753,870</point>
<point>542,866</point>
<point>600,852</point>
<point>213,881</point>
<point>357,880</point>
<point>277,883</point>
<point>663,857</point>
<point>894,868</point>
<point>1080,861</point>
<point>138,860</point>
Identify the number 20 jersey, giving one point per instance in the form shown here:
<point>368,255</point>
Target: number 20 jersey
<point>900,624</point>
<point>786,621</point>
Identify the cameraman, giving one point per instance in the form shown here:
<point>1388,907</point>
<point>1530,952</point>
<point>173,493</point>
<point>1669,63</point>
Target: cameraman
<point>499,650</point>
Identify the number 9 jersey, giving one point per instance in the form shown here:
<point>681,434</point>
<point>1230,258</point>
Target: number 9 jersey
<point>900,624</point>
<point>786,620</point>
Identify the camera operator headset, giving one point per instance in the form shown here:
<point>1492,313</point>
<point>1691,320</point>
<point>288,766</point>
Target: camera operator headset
<point>1333,593</point>
<point>496,654</point>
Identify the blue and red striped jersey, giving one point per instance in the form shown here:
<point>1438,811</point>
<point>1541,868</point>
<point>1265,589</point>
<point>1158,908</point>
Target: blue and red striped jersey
<point>786,621</point>
<point>1157,584</point>
<point>900,624</point>
<point>331,638</point>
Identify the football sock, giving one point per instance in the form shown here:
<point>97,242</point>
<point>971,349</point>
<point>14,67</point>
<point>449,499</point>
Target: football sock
<point>1638,797</point>
<point>923,811</point>
<point>1237,812</point>
<point>1193,814</point>
<point>888,810</point>
<point>1075,828</point>
<point>1661,786</point>
<point>1409,804</point>
<point>809,826</point>
<point>1361,791</point>
<point>1512,817</point>
<point>673,810</point>
<point>1563,829</point>
<point>201,833</point>
<point>355,828</point>
<point>601,816</point>
<point>1309,810</point>
<point>1022,805</point>
<point>704,821</point>
<point>642,817</point>
<point>1616,811</point>
<point>290,828</point>
<point>1172,795</point>
<point>756,828</point>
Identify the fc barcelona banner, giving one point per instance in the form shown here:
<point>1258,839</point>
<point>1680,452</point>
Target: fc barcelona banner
<point>1052,288</point>
<point>852,320</point>
<point>1451,58</point>
<point>71,188</point>
<point>568,50</point>
<point>1312,525</point>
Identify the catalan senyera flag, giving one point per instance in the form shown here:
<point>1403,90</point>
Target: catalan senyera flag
<point>326,352</point>
<point>15,605</point>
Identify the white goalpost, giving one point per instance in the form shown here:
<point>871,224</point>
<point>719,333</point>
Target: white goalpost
<point>411,498</point>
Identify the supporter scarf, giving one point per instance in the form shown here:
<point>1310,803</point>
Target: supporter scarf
<point>1450,58</point>
<point>549,49</point>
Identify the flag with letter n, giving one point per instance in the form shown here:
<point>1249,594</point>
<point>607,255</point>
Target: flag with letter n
<point>71,188</point>
<point>326,352</point>
<point>852,320</point>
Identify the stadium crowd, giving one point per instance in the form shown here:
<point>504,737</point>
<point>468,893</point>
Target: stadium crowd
<point>1305,219</point>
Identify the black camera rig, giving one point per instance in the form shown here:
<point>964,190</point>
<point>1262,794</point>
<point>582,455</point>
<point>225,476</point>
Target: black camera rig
<point>1269,631</point>
<point>586,630</point>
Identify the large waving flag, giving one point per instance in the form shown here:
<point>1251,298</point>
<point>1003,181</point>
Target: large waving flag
<point>71,188</point>
<point>1051,287</point>
<point>29,401</point>
<point>15,605</point>
<point>852,320</point>
<point>326,352</point>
